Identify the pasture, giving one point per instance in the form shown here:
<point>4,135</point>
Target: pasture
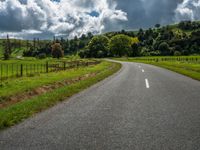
<point>186,65</point>
<point>31,66</point>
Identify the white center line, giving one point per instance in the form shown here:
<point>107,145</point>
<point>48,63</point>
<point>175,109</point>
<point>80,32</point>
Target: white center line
<point>147,83</point>
<point>142,70</point>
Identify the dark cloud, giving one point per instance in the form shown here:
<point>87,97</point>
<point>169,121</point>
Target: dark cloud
<point>146,13</point>
<point>70,18</point>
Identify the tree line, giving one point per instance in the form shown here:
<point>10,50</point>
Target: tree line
<point>58,47</point>
<point>179,39</point>
<point>173,40</point>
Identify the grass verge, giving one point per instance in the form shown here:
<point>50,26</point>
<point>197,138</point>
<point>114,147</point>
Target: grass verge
<point>14,114</point>
<point>186,68</point>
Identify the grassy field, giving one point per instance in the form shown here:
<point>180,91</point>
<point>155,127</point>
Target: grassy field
<point>186,65</point>
<point>32,66</point>
<point>16,112</point>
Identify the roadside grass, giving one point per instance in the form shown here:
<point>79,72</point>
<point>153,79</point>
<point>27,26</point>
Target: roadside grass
<point>16,68</point>
<point>16,113</point>
<point>187,68</point>
<point>17,85</point>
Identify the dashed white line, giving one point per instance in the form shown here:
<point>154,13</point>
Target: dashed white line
<point>139,66</point>
<point>147,83</point>
<point>142,70</point>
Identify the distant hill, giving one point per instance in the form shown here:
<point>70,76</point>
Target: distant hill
<point>177,39</point>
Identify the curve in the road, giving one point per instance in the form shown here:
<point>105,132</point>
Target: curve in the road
<point>142,107</point>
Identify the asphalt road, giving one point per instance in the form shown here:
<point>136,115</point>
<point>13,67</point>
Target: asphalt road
<point>142,107</point>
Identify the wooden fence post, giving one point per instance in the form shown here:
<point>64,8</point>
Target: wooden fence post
<point>21,70</point>
<point>64,65</point>
<point>47,67</point>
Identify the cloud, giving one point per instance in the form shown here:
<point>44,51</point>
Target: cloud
<point>188,10</point>
<point>147,13</point>
<point>66,17</point>
<point>75,17</point>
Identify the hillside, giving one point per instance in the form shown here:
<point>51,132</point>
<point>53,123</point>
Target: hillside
<point>177,39</point>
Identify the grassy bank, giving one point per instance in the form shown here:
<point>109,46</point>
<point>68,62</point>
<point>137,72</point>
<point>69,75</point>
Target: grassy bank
<point>189,66</point>
<point>26,108</point>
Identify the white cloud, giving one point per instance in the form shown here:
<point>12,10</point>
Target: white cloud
<point>188,10</point>
<point>70,17</point>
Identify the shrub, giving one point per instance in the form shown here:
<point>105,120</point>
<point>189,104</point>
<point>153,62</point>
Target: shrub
<point>164,48</point>
<point>42,56</point>
<point>57,51</point>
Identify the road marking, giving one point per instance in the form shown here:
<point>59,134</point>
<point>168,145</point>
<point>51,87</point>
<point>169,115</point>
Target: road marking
<point>139,66</point>
<point>142,70</point>
<point>147,83</point>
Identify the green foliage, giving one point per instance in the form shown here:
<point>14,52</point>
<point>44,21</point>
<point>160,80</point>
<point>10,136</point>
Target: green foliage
<point>97,48</point>
<point>98,45</point>
<point>120,45</point>
<point>157,25</point>
<point>7,48</point>
<point>164,48</point>
<point>177,53</point>
<point>183,38</point>
<point>189,25</point>
<point>42,56</point>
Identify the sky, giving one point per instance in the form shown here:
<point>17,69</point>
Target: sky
<point>27,19</point>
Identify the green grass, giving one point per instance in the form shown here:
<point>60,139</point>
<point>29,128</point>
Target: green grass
<point>32,66</point>
<point>189,68</point>
<point>15,113</point>
<point>14,86</point>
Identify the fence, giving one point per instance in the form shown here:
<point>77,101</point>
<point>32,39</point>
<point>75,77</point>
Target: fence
<point>180,59</point>
<point>8,71</point>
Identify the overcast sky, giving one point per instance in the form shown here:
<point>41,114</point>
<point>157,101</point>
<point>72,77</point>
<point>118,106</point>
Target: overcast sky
<point>45,18</point>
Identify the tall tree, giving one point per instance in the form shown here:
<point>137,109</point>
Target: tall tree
<point>120,45</point>
<point>57,51</point>
<point>98,46</point>
<point>7,48</point>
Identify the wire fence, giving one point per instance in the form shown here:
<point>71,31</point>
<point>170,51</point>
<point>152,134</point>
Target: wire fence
<point>8,71</point>
<point>180,59</point>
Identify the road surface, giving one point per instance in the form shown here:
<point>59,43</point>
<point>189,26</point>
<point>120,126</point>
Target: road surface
<point>142,107</point>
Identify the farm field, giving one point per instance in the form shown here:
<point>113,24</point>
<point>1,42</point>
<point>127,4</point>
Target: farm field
<point>22,97</point>
<point>186,65</point>
<point>31,66</point>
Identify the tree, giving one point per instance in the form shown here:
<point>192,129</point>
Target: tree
<point>98,46</point>
<point>164,48</point>
<point>140,35</point>
<point>89,35</point>
<point>73,45</point>
<point>157,25</point>
<point>134,47</point>
<point>120,45</point>
<point>7,48</point>
<point>57,51</point>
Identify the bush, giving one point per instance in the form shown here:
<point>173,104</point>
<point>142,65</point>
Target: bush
<point>177,53</point>
<point>57,51</point>
<point>84,53</point>
<point>42,56</point>
<point>154,53</point>
<point>164,48</point>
